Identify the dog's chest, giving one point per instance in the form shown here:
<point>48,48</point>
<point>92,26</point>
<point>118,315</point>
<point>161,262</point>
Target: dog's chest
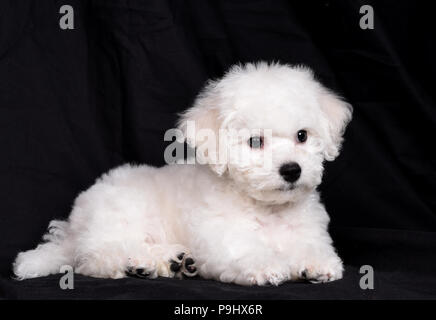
<point>276,230</point>
<point>274,224</point>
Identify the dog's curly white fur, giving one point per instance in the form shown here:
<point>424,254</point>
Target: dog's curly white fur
<point>239,223</point>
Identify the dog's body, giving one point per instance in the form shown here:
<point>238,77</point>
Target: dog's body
<point>239,222</point>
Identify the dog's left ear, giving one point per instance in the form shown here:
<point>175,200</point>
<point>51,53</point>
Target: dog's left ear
<point>338,114</point>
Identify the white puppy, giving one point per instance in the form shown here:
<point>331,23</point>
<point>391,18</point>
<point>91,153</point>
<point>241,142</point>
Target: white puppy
<point>248,222</point>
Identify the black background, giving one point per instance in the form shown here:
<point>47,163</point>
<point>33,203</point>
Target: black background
<point>75,103</point>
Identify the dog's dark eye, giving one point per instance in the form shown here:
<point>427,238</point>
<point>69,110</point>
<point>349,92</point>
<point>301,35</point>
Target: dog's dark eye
<point>255,142</point>
<point>302,136</point>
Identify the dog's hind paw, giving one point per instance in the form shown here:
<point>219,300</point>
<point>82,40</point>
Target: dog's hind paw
<point>183,264</point>
<point>141,271</point>
<point>170,262</point>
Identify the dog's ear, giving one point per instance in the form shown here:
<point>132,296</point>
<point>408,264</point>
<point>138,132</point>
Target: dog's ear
<point>204,119</point>
<point>338,114</point>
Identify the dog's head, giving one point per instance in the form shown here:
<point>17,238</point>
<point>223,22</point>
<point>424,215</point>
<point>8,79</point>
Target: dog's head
<point>268,128</point>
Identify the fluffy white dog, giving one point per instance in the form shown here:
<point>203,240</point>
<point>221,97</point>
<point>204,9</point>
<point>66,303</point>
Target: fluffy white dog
<point>248,222</point>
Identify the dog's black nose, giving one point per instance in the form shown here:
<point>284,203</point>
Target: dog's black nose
<point>290,171</point>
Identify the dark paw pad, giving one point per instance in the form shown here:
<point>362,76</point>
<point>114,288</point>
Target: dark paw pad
<point>175,266</point>
<point>137,272</point>
<point>188,266</point>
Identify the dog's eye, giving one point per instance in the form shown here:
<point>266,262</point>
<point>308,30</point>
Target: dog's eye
<point>255,142</point>
<point>302,136</point>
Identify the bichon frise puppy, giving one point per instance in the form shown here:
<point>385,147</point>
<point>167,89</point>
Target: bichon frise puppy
<point>250,217</point>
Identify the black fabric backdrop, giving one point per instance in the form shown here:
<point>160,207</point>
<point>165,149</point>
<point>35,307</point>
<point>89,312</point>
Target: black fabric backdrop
<point>75,103</point>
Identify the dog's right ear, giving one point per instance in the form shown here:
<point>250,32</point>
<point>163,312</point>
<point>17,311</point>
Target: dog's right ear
<point>205,120</point>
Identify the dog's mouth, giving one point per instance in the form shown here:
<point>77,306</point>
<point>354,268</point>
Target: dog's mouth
<point>287,187</point>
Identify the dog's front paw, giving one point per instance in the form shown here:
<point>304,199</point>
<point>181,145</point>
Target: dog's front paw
<point>276,278</point>
<point>319,272</point>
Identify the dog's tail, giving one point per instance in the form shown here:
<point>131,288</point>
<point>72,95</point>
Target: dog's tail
<point>48,257</point>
